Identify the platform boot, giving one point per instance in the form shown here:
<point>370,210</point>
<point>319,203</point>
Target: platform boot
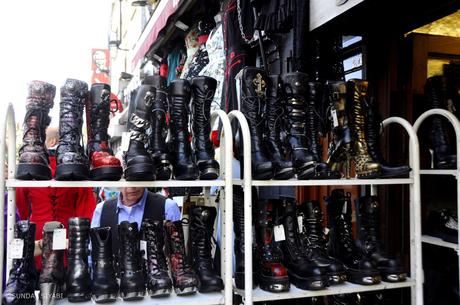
<point>33,161</point>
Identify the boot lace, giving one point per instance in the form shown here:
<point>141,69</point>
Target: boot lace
<point>371,224</point>
<point>202,242</point>
<point>99,119</point>
<point>71,132</point>
<point>34,132</point>
<point>161,106</point>
<point>157,259</point>
<point>201,123</point>
<point>178,249</point>
<point>130,247</point>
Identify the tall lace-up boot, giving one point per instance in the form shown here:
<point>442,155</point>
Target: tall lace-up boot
<point>104,165</point>
<point>201,234</point>
<point>184,278</point>
<point>20,289</point>
<point>360,270</point>
<point>71,161</point>
<point>33,156</point>
<point>391,269</point>
<point>158,281</point>
<point>132,282</point>
<point>203,89</point>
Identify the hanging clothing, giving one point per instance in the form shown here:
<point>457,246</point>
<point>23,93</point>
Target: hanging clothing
<point>192,46</point>
<point>173,63</point>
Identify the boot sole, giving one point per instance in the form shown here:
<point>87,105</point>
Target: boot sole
<point>306,171</point>
<point>30,171</point>
<point>49,293</point>
<point>185,291</point>
<point>78,297</point>
<point>337,278</point>
<point>140,172</point>
<point>72,172</point>
<point>368,175</point>
<point>107,173</point>
<point>105,298</point>
<point>308,283</point>
<point>133,296</point>
<point>160,293</point>
<point>190,174</point>
<point>274,284</point>
<point>239,280</point>
<point>399,174</point>
<point>209,173</point>
<point>210,288</point>
<point>284,174</point>
<point>363,278</point>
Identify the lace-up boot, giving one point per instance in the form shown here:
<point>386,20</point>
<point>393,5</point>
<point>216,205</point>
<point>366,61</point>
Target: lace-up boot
<point>184,278</point>
<point>391,269</point>
<point>104,165</point>
<point>201,234</point>
<point>179,143</point>
<point>360,270</point>
<point>158,282</point>
<point>33,155</point>
<point>252,96</point>
<point>314,240</point>
<point>132,282</point>
<point>20,289</point>
<point>71,161</point>
<point>104,285</point>
<point>203,89</point>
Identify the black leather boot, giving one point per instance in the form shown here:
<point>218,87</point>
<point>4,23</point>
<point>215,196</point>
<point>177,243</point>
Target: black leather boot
<point>20,289</point>
<point>201,233</point>
<point>132,281</point>
<point>71,161</point>
<point>159,283</point>
<point>33,156</point>
<point>275,120</point>
<point>314,240</point>
<point>52,277</point>
<point>104,285</point>
<point>185,280</point>
<point>138,161</point>
<point>179,142</point>
<point>360,270</point>
<point>203,89</point>
<point>391,269</point>
<point>252,98</point>
<point>78,278</point>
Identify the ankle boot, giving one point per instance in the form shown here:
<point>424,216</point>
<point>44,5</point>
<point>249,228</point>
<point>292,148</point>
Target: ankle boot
<point>132,282</point>
<point>104,165</point>
<point>78,279</point>
<point>184,278</point>
<point>357,94</point>
<point>52,274</point>
<point>201,233</point>
<point>203,89</point>
<point>273,275</point>
<point>138,161</point>
<point>275,116</point>
<point>104,285</point>
<point>359,269</point>
<point>71,161</point>
<point>33,155</point>
<point>252,99</point>
<point>179,145</point>
<point>303,272</point>
<point>159,132</point>
<point>314,240</point>
<point>20,289</point>
<point>158,281</point>
<point>368,212</point>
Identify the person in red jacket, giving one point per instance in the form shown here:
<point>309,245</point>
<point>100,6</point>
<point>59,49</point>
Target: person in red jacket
<point>43,204</point>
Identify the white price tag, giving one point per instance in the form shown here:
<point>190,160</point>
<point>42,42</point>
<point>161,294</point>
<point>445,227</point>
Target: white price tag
<point>59,239</point>
<point>143,247</point>
<point>279,233</point>
<point>335,119</point>
<point>125,141</point>
<point>17,247</point>
<point>300,223</point>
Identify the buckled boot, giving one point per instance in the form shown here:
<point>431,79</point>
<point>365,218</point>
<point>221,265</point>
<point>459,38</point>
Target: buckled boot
<point>391,269</point>
<point>201,233</point>
<point>104,285</point>
<point>275,117</point>
<point>314,240</point>
<point>184,278</point>
<point>203,89</point>
<point>33,156</point>
<point>158,281</point>
<point>52,276</point>
<point>132,282</point>
<point>159,130</point>
<point>138,161</point>
<point>273,275</point>
<point>104,165</point>
<point>357,94</point>
<point>179,142</point>
<point>78,278</point>
<point>252,98</point>
<point>71,161</point>
<point>359,269</point>
<point>20,289</point>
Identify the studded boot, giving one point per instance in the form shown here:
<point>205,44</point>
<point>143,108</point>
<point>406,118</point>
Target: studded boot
<point>104,165</point>
<point>71,161</point>
<point>203,89</point>
<point>33,155</point>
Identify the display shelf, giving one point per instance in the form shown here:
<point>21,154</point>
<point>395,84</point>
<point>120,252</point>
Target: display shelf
<point>441,172</point>
<point>259,295</point>
<point>353,181</point>
<point>439,242</point>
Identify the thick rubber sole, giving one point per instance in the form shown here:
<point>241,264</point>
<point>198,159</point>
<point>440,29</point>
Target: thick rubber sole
<point>394,174</point>
<point>308,283</point>
<point>132,296</point>
<point>140,172</point>
<point>30,171</point>
<point>284,173</point>
<point>306,171</point>
<point>105,298</point>
<point>274,284</point>
<point>160,293</point>
<point>78,297</point>
<point>106,173</point>
<point>186,290</point>
<point>239,280</point>
<point>363,277</point>
<point>71,172</point>
<point>210,288</point>
<point>209,173</point>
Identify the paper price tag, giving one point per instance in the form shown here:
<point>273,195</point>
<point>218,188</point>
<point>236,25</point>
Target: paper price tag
<point>59,239</point>
<point>17,247</point>
<point>335,119</point>
<point>125,141</point>
<point>143,247</point>
<point>279,233</point>
<point>300,223</point>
